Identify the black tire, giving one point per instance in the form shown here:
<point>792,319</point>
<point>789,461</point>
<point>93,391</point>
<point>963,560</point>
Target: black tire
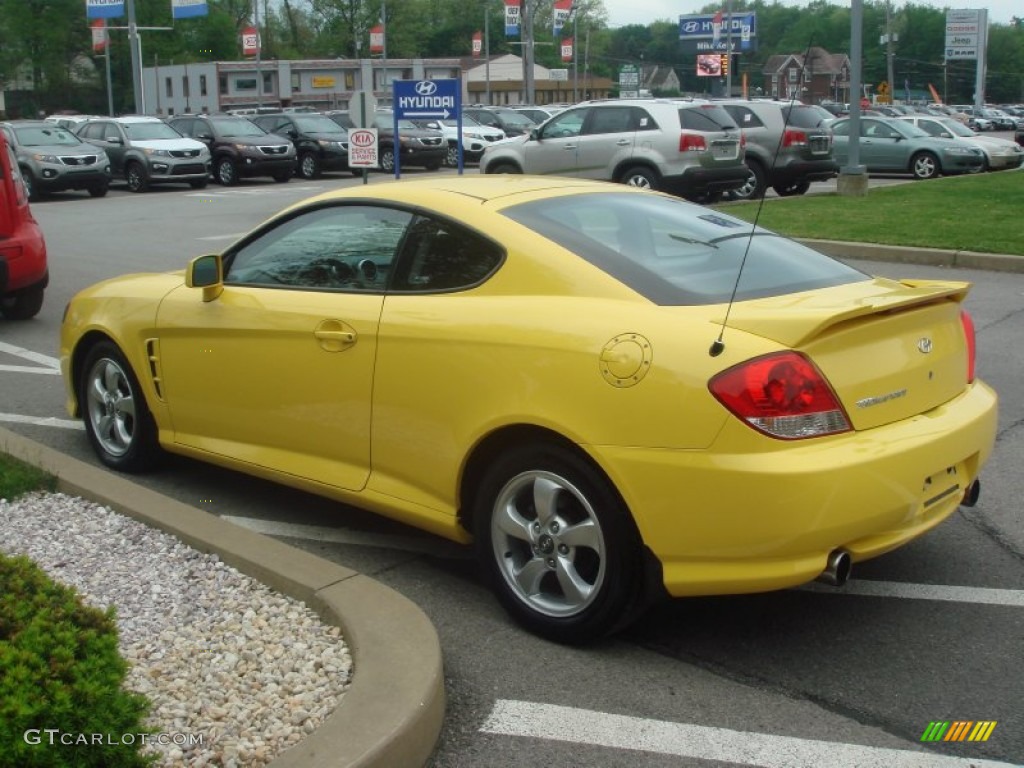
<point>925,165</point>
<point>135,176</point>
<point>569,572</point>
<point>640,176</point>
<point>22,305</point>
<point>503,168</point>
<point>31,186</point>
<point>387,159</point>
<point>198,183</point>
<point>309,166</point>
<point>791,189</point>
<point>118,422</point>
<point>225,172</point>
<point>451,159</point>
<point>757,184</point>
<point>98,191</point>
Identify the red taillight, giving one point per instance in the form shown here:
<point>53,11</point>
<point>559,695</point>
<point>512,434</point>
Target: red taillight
<point>972,354</point>
<point>794,138</point>
<point>743,140</point>
<point>691,142</point>
<point>783,395</point>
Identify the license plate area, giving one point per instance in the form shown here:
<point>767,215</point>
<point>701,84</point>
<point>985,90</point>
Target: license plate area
<point>941,486</point>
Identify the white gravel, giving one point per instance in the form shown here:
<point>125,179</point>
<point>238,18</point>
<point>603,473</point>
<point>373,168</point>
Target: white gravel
<point>223,658</point>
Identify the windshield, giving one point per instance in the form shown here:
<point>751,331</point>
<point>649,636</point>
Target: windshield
<point>41,137</point>
<point>675,253</point>
<point>909,130</point>
<point>706,117</point>
<point>316,124</point>
<point>150,131</point>
<point>515,118</point>
<point>236,126</point>
<point>957,128</point>
<point>806,116</point>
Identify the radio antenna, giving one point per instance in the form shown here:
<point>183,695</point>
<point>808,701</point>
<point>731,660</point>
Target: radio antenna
<point>718,345</point>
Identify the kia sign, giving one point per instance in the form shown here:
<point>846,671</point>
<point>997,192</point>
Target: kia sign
<point>362,148</point>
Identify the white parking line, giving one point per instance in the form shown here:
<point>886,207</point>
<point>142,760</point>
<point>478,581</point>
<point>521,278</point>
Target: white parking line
<point>233,236</point>
<point>1013,598</point>
<point>580,726</point>
<point>28,354</point>
<point>29,369</point>
<point>434,547</point>
<point>40,421</point>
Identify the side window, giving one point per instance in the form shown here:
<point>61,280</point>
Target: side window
<point>440,256</point>
<point>344,248</point>
<point>610,120</point>
<point>185,127</point>
<point>931,128</point>
<point>841,129</point>
<point>642,120</point>
<point>744,117</point>
<point>567,124</point>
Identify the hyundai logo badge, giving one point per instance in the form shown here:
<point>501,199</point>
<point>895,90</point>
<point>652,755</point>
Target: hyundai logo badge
<point>924,345</point>
<point>426,88</point>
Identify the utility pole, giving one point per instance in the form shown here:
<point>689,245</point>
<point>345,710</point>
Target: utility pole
<point>853,177</point>
<point>487,51</point>
<point>889,54</point>
<point>728,49</point>
<point>528,73</point>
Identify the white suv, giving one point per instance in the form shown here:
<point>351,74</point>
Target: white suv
<point>688,147</point>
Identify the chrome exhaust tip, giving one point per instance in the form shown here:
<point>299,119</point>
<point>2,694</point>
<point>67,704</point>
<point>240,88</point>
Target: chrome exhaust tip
<point>837,568</point>
<point>971,494</point>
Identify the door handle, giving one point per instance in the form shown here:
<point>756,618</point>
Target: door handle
<point>335,335</point>
<point>570,146</point>
<point>624,142</point>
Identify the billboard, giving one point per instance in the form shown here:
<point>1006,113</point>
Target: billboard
<point>713,32</point>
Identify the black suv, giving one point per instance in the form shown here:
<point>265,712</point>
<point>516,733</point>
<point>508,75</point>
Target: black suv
<point>239,147</point>
<point>788,146</point>
<point>423,147</point>
<point>512,122</point>
<point>320,143</point>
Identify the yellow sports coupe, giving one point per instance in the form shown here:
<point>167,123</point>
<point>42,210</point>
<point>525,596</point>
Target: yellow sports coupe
<point>614,393</point>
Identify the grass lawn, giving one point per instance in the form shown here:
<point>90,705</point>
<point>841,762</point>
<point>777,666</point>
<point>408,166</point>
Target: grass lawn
<point>18,478</point>
<point>979,212</point>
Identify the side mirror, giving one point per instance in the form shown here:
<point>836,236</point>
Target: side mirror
<point>204,136</point>
<point>114,139</point>
<point>206,272</point>
<point>292,133</point>
<point>534,134</point>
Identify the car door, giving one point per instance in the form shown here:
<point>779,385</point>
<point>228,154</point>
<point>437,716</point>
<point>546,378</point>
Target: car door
<point>107,136</point>
<point>277,371</point>
<point>882,147</point>
<point>556,148</point>
<point>609,134</point>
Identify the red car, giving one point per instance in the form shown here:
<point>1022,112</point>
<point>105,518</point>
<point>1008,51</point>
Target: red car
<point>23,272</point>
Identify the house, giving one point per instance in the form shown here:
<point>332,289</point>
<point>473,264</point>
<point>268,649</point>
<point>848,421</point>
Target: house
<point>660,80</point>
<point>812,78</point>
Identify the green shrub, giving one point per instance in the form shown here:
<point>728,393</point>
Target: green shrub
<point>17,478</point>
<point>60,669</point>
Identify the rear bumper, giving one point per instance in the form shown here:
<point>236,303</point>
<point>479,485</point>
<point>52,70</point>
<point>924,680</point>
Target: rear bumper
<point>699,179</point>
<point>23,260</point>
<point>806,170</point>
<point>726,521</point>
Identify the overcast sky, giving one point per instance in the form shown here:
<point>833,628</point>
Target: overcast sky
<point>622,12</point>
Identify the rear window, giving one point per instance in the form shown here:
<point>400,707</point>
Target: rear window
<point>675,253</point>
<point>805,116</point>
<point>706,117</point>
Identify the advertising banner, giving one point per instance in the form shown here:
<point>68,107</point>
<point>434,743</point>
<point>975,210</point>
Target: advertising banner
<point>567,49</point>
<point>104,9</point>
<point>250,41</point>
<point>100,41</point>
<point>560,15</point>
<point>478,43</point>
<point>377,39</point>
<point>188,9</point>
<point>512,18</point>
<point>713,33</point>
<point>964,30</point>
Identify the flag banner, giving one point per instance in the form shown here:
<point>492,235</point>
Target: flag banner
<point>560,15</point>
<point>99,35</point>
<point>104,9</point>
<point>567,49</point>
<point>250,41</point>
<point>717,24</point>
<point>478,43</point>
<point>377,39</point>
<point>511,18</point>
<point>188,9</point>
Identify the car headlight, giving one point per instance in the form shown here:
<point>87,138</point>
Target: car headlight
<point>962,151</point>
<point>330,144</point>
<point>247,149</point>
<point>46,159</point>
<point>157,152</point>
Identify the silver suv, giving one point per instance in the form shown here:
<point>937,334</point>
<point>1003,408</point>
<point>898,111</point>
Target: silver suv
<point>145,151</point>
<point>788,146</point>
<point>52,159</point>
<point>691,148</point>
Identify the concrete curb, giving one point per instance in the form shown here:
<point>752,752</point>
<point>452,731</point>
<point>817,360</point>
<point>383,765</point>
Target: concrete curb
<point>909,255</point>
<point>392,714</point>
